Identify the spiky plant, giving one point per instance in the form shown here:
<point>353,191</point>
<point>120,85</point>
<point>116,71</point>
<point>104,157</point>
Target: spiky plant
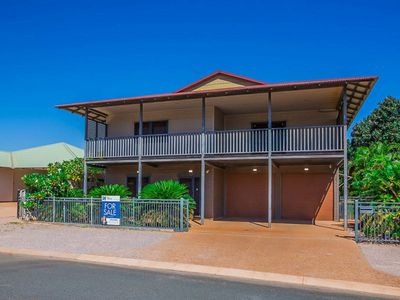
<point>168,189</point>
<point>110,190</point>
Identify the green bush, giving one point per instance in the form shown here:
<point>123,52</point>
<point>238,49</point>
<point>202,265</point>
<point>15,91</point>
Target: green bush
<point>63,179</point>
<point>375,172</point>
<point>168,189</point>
<point>110,190</point>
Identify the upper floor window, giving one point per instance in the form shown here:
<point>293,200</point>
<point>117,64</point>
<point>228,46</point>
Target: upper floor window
<point>153,127</point>
<point>96,130</point>
<point>263,125</point>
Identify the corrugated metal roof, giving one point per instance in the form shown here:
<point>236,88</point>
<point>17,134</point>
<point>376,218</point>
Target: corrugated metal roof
<point>39,157</point>
<point>364,84</point>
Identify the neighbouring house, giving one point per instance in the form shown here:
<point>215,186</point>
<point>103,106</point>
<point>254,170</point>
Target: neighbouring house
<point>14,165</point>
<point>245,148</point>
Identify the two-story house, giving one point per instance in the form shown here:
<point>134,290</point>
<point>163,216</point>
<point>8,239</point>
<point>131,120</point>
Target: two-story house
<point>245,148</point>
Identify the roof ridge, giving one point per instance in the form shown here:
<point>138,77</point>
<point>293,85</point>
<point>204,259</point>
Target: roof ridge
<point>219,72</point>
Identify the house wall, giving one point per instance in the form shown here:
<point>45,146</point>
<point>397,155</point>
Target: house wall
<point>247,193</point>
<point>6,184</point>
<point>11,182</point>
<point>218,195</point>
<point>119,174</point>
<point>292,118</point>
<point>179,121</point>
<point>307,195</point>
<point>189,120</point>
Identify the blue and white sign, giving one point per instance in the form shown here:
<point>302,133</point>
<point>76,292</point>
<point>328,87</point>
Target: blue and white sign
<point>110,210</point>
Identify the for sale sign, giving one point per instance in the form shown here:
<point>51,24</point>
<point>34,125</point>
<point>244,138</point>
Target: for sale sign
<point>110,210</point>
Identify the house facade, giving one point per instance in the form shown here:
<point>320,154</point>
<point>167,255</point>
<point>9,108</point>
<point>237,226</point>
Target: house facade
<point>245,148</point>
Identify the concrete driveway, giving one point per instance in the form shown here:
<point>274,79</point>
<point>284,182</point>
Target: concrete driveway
<point>8,212</point>
<point>323,250</point>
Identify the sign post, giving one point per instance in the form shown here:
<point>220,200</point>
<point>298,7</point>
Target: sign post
<point>110,210</point>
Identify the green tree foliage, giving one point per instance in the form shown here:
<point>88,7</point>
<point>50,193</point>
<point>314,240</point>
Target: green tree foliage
<point>375,172</point>
<point>168,189</point>
<point>110,190</point>
<point>63,179</point>
<point>382,125</point>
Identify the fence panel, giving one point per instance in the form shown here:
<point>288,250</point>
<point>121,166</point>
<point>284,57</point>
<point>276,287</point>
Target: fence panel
<point>136,213</point>
<point>377,222</point>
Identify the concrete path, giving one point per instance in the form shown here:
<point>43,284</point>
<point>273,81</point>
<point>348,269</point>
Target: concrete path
<point>385,258</point>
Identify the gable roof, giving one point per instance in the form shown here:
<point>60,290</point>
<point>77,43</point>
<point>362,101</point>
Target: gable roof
<point>236,80</point>
<point>39,157</point>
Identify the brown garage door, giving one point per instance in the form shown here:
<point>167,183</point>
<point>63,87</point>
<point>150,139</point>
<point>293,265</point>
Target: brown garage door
<point>246,195</point>
<point>307,196</point>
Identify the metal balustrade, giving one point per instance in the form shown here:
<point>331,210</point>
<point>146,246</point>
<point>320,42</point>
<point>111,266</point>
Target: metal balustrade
<point>227,142</point>
<point>304,139</point>
<point>112,147</point>
<point>172,144</point>
<point>236,141</point>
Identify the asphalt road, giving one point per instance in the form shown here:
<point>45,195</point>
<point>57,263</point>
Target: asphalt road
<point>23,277</point>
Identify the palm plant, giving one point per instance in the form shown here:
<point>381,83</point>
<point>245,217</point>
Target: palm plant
<point>110,190</point>
<point>168,189</point>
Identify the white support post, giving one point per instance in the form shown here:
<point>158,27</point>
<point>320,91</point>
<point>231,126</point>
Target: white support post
<point>203,163</point>
<point>269,160</point>
<point>85,177</point>
<point>345,170</point>
<point>85,171</point>
<point>140,150</point>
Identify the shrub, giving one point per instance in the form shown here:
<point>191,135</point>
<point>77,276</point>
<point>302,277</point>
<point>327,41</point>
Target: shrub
<point>63,179</point>
<point>375,172</point>
<point>110,190</point>
<point>168,189</point>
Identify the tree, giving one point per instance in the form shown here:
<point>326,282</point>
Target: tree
<point>63,179</point>
<point>375,172</point>
<point>382,125</point>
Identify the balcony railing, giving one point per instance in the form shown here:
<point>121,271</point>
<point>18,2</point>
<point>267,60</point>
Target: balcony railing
<point>251,141</point>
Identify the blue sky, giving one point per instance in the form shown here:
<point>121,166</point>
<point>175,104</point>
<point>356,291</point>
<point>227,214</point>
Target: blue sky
<point>54,52</point>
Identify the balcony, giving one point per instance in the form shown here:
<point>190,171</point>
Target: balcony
<point>314,139</point>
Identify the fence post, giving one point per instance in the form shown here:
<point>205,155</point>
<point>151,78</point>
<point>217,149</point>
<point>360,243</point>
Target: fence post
<point>356,220</point>
<point>181,215</point>
<point>91,210</point>
<point>64,212</point>
<point>54,209</point>
<point>187,215</point>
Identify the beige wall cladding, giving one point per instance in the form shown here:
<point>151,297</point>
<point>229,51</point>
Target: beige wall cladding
<point>179,120</point>
<point>220,82</point>
<point>295,118</point>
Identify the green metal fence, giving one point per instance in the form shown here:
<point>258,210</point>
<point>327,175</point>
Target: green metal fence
<point>377,222</point>
<point>136,213</point>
